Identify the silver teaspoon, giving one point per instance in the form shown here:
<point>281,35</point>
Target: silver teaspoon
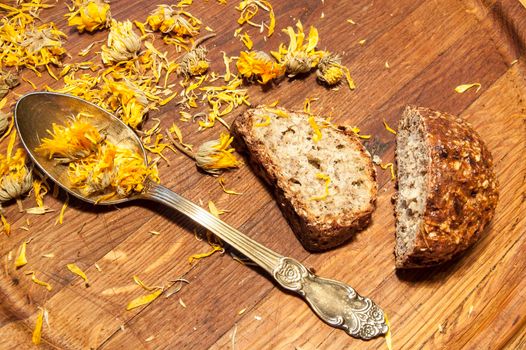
<point>334,302</point>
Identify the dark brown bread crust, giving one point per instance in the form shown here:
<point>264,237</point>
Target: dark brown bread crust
<point>462,190</point>
<point>315,235</point>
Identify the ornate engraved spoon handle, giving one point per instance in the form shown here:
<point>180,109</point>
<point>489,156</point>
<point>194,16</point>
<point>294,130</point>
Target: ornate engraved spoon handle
<point>334,302</point>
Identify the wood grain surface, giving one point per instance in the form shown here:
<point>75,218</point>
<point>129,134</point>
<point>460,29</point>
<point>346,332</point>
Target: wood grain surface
<point>475,302</point>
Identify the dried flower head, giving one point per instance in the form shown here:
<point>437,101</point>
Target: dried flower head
<point>167,19</point>
<point>95,173</point>
<point>76,140</point>
<point>123,43</point>
<point>257,64</point>
<point>15,177</point>
<point>194,63</point>
<point>111,170</point>
<point>301,55</point>
<point>331,71</point>
<point>216,155</point>
<point>89,15</point>
<point>4,117</point>
<point>8,81</point>
<point>4,122</point>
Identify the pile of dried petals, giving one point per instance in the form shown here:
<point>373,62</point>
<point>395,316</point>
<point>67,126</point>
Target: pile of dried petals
<point>177,25</point>
<point>131,88</point>
<point>250,8</point>
<point>89,15</point>
<point>25,44</point>
<point>95,165</point>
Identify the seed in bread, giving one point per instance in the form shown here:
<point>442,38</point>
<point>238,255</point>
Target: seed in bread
<point>322,176</point>
<point>447,189</point>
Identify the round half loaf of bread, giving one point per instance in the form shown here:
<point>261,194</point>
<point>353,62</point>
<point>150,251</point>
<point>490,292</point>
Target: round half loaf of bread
<point>447,189</point>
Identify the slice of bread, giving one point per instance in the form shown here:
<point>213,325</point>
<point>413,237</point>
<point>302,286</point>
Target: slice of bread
<point>326,187</point>
<point>447,189</point>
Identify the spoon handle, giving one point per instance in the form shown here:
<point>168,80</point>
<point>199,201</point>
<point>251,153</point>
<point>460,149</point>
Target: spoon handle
<point>334,302</point>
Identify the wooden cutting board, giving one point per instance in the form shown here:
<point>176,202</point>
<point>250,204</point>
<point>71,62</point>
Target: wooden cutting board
<point>415,52</point>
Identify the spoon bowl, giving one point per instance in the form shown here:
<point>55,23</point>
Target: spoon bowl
<point>334,302</point>
<point>35,114</point>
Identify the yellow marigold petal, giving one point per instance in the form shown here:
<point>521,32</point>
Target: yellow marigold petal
<point>60,218</point>
<point>6,226</point>
<point>21,258</point>
<point>388,339</point>
<point>143,299</point>
<point>77,271</point>
<point>327,180</point>
<point>465,87</point>
<point>265,122</point>
<point>37,332</point>
<point>245,38</point>
<point>221,181</point>
<point>388,128</point>
<point>137,280</point>
<point>39,282</point>
<point>215,248</point>
<point>391,168</point>
<point>315,129</point>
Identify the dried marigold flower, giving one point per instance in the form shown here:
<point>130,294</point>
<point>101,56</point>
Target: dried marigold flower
<point>123,43</point>
<point>257,64</point>
<point>8,81</point>
<point>331,71</point>
<point>168,20</point>
<point>4,118</point>
<point>216,155</point>
<point>4,122</point>
<point>89,15</point>
<point>194,62</point>
<point>15,177</point>
<point>76,140</point>
<point>112,170</point>
<point>301,55</point>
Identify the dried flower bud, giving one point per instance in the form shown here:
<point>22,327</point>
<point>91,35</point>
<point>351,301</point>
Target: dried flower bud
<point>216,155</point>
<point>4,122</point>
<point>74,141</point>
<point>8,81</point>
<point>89,15</point>
<point>194,62</point>
<point>123,43</point>
<point>16,178</point>
<point>297,62</point>
<point>330,70</point>
<point>300,56</point>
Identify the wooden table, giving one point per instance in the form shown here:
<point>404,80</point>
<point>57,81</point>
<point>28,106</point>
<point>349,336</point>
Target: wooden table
<point>475,302</point>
